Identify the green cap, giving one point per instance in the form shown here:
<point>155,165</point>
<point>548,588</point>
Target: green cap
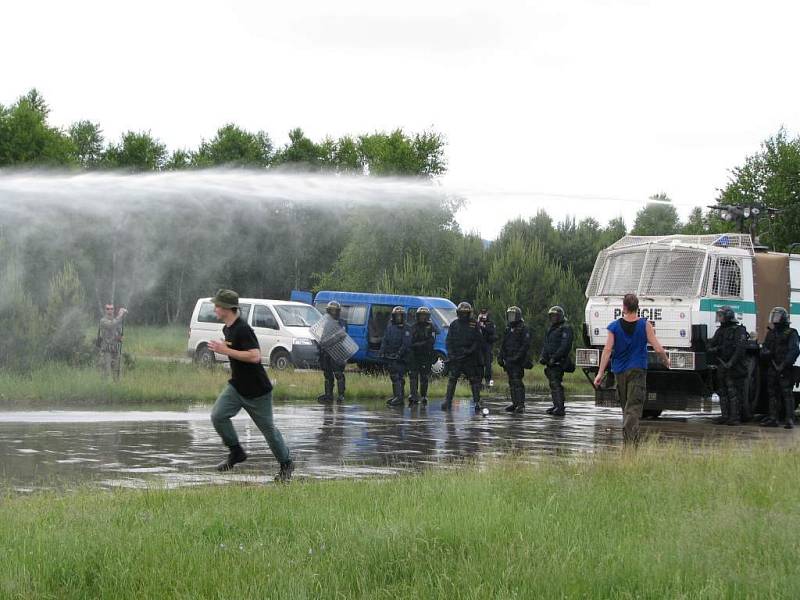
<point>226,299</point>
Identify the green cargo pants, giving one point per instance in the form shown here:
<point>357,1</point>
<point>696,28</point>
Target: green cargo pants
<point>230,402</point>
<point>631,390</point>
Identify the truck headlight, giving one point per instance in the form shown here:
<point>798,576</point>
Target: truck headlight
<point>302,342</point>
<point>683,361</point>
<point>587,357</point>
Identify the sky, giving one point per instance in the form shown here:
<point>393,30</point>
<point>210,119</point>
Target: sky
<point>582,108</point>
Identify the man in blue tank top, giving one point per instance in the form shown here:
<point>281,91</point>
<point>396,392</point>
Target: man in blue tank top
<point>626,347</point>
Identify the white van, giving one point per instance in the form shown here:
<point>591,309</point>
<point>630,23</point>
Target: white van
<point>282,329</point>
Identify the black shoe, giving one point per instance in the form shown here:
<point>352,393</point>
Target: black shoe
<point>395,401</point>
<point>789,425</point>
<point>412,400</point>
<point>720,420</point>
<point>285,474</point>
<point>340,398</point>
<point>235,456</point>
<point>550,410</point>
<point>733,422</point>
<point>511,407</point>
<point>324,399</point>
<point>447,405</point>
<point>559,412</point>
<point>769,423</point>
<point>424,401</point>
<point>520,408</point>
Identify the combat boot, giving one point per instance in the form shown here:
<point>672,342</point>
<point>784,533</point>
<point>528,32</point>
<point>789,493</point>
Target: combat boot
<point>559,410</point>
<point>476,396</point>
<point>235,456</point>
<point>733,412</point>
<point>327,397</point>
<point>451,390</point>
<point>789,410</point>
<point>520,393</point>
<point>340,387</point>
<point>724,415</point>
<point>285,474</point>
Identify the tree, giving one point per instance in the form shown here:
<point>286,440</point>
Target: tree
<point>87,138</point>
<point>27,139</point>
<point>303,154</point>
<point>659,217</point>
<point>397,154</point>
<point>771,177</point>
<point>696,223</point>
<point>234,146</point>
<point>65,319</point>
<point>136,152</point>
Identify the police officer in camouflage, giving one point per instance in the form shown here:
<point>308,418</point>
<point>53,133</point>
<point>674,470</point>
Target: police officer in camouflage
<point>421,357</point>
<point>730,345</point>
<point>464,357</point>
<point>395,348</point>
<point>109,341</point>
<point>332,369</point>
<point>514,357</point>
<point>557,357</point>
<point>780,350</point>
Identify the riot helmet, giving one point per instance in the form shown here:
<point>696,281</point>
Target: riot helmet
<point>464,310</point>
<point>779,317</point>
<point>423,314</point>
<point>725,315</point>
<point>398,315</point>
<point>557,315</point>
<point>334,309</point>
<point>513,315</point>
<point>483,315</point>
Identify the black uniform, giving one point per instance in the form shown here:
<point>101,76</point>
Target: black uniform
<point>513,357</point>
<point>489,333</point>
<point>395,348</point>
<point>556,356</point>
<point>332,369</point>
<point>464,357</point>
<point>730,345</point>
<point>781,349</point>
<point>421,357</point>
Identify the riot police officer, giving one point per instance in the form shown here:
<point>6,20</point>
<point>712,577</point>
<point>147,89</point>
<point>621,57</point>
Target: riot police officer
<point>330,368</point>
<point>395,348</point>
<point>421,357</point>
<point>489,333</point>
<point>781,349</point>
<point>513,356</point>
<point>730,345</point>
<point>556,357</point>
<point>464,342</point>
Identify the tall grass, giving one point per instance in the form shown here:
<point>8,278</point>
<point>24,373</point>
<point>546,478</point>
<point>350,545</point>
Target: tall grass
<point>156,382</point>
<point>662,523</point>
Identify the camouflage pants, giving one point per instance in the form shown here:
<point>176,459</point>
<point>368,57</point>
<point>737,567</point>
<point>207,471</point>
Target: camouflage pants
<point>109,364</point>
<point>631,390</point>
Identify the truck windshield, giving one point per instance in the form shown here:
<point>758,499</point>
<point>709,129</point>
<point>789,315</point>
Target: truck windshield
<point>673,272</point>
<point>293,315</point>
<point>444,316</point>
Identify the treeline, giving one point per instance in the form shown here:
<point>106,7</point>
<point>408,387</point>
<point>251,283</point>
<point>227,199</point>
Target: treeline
<point>156,244</point>
<point>27,139</point>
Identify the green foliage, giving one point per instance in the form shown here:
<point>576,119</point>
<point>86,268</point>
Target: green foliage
<point>398,154</point>
<point>27,139</point>
<point>233,146</point>
<point>65,321</point>
<point>21,344</point>
<point>87,138</point>
<point>659,217</point>
<point>136,152</point>
<point>524,274</point>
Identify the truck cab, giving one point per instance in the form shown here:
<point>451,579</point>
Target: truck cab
<point>681,281</point>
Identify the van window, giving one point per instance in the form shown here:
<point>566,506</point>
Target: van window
<point>379,318</point>
<point>293,315</point>
<point>355,314</point>
<point>263,317</point>
<point>206,313</point>
<point>727,281</point>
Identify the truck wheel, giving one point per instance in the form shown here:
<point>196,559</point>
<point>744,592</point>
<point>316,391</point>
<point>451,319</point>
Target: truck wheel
<point>651,413</point>
<point>204,357</point>
<point>437,368</point>
<point>280,360</point>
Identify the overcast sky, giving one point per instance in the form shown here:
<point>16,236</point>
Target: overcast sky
<point>583,108</point>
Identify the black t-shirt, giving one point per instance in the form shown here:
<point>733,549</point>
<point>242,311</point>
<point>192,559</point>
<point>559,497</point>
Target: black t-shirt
<point>249,379</point>
<point>628,326</point>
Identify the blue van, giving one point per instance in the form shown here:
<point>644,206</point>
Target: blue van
<point>367,315</point>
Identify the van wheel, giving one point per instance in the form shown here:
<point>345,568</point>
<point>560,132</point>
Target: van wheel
<point>437,368</point>
<point>204,357</point>
<point>280,360</point>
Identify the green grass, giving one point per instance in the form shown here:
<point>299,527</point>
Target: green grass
<point>145,340</point>
<point>151,382</point>
<point>663,523</point>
